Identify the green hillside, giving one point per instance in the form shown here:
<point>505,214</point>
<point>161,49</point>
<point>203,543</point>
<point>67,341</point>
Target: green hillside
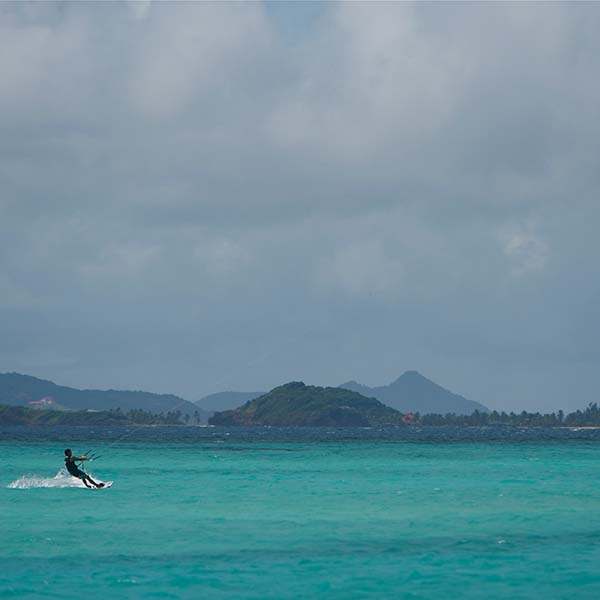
<point>24,390</point>
<point>299,405</point>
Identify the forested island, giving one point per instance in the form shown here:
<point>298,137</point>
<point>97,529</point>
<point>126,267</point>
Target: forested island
<point>298,405</point>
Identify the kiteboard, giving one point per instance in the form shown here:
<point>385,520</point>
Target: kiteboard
<point>107,484</point>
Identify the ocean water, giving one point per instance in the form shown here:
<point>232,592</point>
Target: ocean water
<point>214,513</point>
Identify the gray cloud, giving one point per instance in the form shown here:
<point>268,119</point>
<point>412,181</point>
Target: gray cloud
<point>197,197</point>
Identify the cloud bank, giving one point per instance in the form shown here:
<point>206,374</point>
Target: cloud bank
<point>203,196</point>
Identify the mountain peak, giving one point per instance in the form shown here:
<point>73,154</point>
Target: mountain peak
<point>413,392</point>
<point>411,374</point>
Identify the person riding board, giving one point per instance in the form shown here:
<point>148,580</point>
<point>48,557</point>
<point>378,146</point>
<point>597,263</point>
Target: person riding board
<point>76,471</point>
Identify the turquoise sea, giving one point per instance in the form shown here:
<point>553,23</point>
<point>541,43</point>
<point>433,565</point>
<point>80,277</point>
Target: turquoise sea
<point>210,513</point>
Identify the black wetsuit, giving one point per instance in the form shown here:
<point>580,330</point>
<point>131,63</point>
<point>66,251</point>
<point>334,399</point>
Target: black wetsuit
<point>74,469</point>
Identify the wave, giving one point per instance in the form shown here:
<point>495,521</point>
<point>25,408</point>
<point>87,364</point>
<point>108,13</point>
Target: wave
<point>61,480</point>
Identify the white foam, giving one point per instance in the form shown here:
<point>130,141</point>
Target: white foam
<point>61,480</point>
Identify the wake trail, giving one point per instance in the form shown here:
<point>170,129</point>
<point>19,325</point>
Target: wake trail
<point>61,480</point>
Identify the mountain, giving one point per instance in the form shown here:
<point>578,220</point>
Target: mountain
<point>225,400</point>
<point>297,405</point>
<point>24,390</point>
<point>412,392</point>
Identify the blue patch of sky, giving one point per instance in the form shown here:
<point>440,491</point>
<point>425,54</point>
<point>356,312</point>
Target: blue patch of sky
<point>295,20</point>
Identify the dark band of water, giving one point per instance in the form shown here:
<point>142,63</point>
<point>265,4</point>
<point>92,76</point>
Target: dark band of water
<point>434,435</point>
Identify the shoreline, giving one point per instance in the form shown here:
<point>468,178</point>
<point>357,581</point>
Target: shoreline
<point>320,427</point>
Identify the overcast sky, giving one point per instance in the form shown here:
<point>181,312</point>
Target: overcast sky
<point>206,197</point>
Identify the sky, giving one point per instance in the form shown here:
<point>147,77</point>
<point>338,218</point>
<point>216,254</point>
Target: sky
<point>200,197</point>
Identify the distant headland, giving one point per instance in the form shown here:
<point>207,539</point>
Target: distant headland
<point>24,390</point>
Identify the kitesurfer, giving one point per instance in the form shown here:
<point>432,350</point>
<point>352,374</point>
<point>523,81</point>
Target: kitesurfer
<point>76,471</point>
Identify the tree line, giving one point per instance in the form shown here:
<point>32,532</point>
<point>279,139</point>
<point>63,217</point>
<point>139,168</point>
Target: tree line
<point>23,415</point>
<point>20,415</point>
<point>589,417</point>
